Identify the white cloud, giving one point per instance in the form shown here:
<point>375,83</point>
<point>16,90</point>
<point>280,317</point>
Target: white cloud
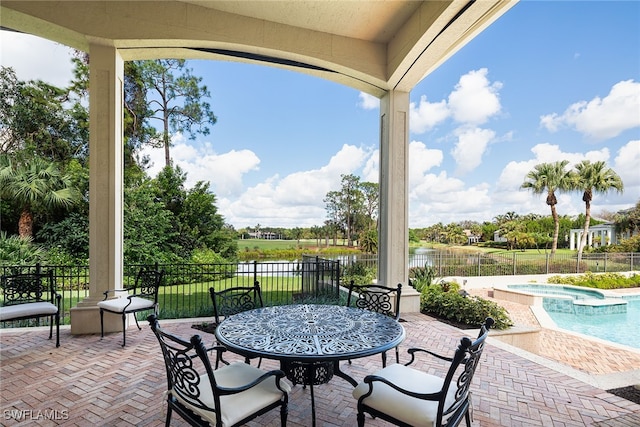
<point>297,198</point>
<point>224,171</point>
<point>426,115</point>
<point>471,145</point>
<point>475,99</point>
<point>626,165</point>
<point>421,160</point>
<point>371,168</point>
<point>368,102</point>
<point>440,198</point>
<point>601,118</point>
<point>35,58</point>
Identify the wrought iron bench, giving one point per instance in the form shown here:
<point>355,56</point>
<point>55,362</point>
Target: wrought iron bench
<point>31,296</point>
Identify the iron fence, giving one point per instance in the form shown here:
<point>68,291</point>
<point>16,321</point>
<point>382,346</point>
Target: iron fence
<point>185,288</point>
<point>184,291</point>
<point>475,264</point>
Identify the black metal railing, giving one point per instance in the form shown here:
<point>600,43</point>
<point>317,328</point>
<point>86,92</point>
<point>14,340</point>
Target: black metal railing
<point>184,291</point>
<point>476,264</point>
<point>185,288</point>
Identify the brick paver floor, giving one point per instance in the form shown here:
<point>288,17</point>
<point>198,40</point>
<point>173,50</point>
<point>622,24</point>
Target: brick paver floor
<point>89,381</point>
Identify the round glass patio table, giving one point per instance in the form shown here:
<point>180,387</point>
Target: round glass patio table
<point>309,340</point>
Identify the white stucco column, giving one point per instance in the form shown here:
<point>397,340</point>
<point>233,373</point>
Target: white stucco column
<point>572,240</point>
<point>393,244</point>
<point>106,79</point>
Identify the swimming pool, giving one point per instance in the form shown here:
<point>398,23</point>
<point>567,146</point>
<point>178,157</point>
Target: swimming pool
<point>592,312</point>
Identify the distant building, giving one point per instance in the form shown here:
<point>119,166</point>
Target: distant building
<point>498,238</point>
<point>267,235</point>
<point>599,235</point>
<point>471,238</point>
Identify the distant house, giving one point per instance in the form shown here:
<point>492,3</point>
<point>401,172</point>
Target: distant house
<point>599,235</point>
<point>471,238</point>
<point>498,238</point>
<point>267,235</point>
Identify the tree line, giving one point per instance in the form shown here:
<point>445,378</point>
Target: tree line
<point>44,175</point>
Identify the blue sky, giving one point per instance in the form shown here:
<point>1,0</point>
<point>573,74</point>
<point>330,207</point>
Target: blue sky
<point>547,81</point>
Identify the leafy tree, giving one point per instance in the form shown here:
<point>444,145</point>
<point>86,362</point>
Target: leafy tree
<point>628,220</point>
<point>296,233</point>
<point>549,178</point>
<point>194,216</point>
<point>35,187</point>
<point>369,242</point>
<point>316,232</point>
<point>371,203</point>
<point>590,178</point>
<point>354,208</point>
<point>149,235</point>
<point>487,229</point>
<point>351,201</point>
<point>175,97</point>
<point>37,119</point>
<point>332,202</point>
<point>70,236</point>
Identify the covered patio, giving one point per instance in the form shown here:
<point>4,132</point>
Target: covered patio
<point>382,48</point>
<point>88,381</point>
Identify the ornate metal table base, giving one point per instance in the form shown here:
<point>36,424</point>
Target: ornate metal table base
<point>307,373</point>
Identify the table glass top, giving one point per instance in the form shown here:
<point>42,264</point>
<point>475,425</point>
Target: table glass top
<point>314,332</point>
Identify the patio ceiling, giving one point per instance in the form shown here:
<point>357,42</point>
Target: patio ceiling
<point>374,46</point>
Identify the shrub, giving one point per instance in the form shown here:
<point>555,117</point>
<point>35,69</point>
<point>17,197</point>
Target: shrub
<point>444,300</point>
<point>15,250</point>
<point>359,272</point>
<point>420,277</point>
<point>598,280</point>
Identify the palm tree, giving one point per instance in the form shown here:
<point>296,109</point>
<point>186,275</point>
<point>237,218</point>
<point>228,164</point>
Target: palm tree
<point>592,177</point>
<point>549,178</point>
<point>33,185</point>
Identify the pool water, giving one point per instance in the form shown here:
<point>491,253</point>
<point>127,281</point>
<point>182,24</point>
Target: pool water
<point>559,290</point>
<point>622,328</point>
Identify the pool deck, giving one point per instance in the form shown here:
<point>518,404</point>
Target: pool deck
<point>90,381</point>
<point>598,362</point>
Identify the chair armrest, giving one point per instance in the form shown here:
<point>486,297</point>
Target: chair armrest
<point>371,379</point>
<point>413,351</point>
<point>217,348</point>
<point>274,373</point>
<point>107,292</point>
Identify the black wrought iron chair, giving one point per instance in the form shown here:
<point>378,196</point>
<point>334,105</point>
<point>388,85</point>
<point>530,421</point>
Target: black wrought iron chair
<point>229,396</point>
<point>142,296</point>
<point>31,296</point>
<point>409,397</point>
<point>234,300</point>
<point>378,298</point>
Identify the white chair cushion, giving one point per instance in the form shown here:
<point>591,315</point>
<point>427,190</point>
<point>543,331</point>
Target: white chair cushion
<point>416,412</point>
<point>28,309</point>
<point>235,407</point>
<point>118,305</point>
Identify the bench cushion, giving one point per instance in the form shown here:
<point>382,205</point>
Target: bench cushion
<point>118,305</point>
<point>30,309</point>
